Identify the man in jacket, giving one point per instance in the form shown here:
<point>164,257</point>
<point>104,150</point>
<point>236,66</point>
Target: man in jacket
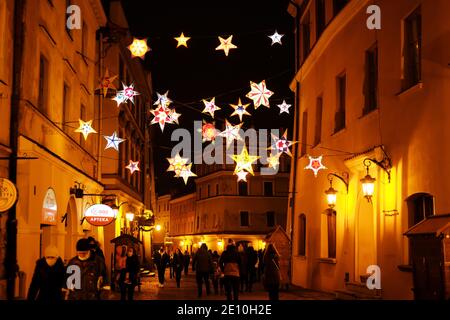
<point>230,263</point>
<point>203,267</point>
<point>187,260</point>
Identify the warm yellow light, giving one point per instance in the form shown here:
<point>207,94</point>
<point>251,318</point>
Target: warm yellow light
<point>138,48</point>
<point>129,216</point>
<point>158,227</point>
<point>182,243</point>
<point>331,197</point>
<point>200,244</point>
<point>368,186</point>
<point>220,243</point>
<point>182,40</point>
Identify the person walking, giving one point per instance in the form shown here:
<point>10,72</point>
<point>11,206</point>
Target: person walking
<point>178,265</point>
<point>272,275</point>
<point>171,270</point>
<point>203,266</point>
<point>160,259</point>
<point>48,277</point>
<point>230,263</point>
<point>243,268</point>
<point>90,269</point>
<point>94,246</point>
<point>252,259</point>
<point>260,264</point>
<point>129,275</point>
<point>187,260</point>
<point>216,272</point>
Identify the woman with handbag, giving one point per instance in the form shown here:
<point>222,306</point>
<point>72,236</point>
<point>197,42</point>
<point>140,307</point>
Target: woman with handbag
<point>272,275</point>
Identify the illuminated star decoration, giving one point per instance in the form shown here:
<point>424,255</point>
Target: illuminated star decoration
<point>133,166</point>
<point>113,141</point>
<point>173,115</point>
<point>259,94</point>
<point>239,109</point>
<point>244,161</point>
<point>282,144</point>
<point>182,40</point>
<point>85,128</point>
<point>226,45</point>
<point>284,107</point>
<point>209,132</point>
<point>273,161</point>
<point>119,98</point>
<point>138,48</point>
<point>242,175</point>
<point>231,133</point>
<point>315,164</point>
<point>162,115</point>
<point>176,164</point>
<point>128,92</point>
<point>186,172</point>
<point>106,83</point>
<point>210,106</point>
<point>276,37</point>
<point>163,99</point>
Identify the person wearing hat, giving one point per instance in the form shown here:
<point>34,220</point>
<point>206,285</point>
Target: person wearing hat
<point>91,271</point>
<point>48,277</point>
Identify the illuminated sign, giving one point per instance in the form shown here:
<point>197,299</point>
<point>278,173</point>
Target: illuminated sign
<point>8,194</point>
<point>49,208</point>
<point>99,215</point>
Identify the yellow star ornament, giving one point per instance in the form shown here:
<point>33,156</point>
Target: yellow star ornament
<point>226,45</point>
<point>182,40</point>
<point>177,164</point>
<point>138,48</point>
<point>244,161</point>
<point>85,128</point>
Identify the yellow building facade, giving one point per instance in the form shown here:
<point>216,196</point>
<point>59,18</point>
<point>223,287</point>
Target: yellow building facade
<point>367,93</point>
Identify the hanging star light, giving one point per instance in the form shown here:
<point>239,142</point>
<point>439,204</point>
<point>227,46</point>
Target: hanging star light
<point>182,40</point>
<point>85,128</point>
<point>276,37</point>
<point>133,166</point>
<point>284,107</point>
<point>273,161</point>
<point>113,141</point>
<point>259,94</point>
<point>244,161</point>
<point>162,116</point>
<point>209,132</point>
<point>163,99</point>
<point>315,164</point>
<point>173,115</point>
<point>106,83</point>
<point>231,133</point>
<point>240,109</point>
<point>226,45</point>
<point>186,172</point>
<point>119,98</point>
<point>128,92</point>
<point>138,48</point>
<point>282,144</point>
<point>242,175</point>
<point>210,106</point>
<point>176,164</point>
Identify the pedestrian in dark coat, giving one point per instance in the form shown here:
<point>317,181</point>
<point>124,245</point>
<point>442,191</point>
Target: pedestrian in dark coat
<point>203,267</point>
<point>272,275</point>
<point>243,267</point>
<point>187,260</point>
<point>96,251</point>
<point>91,271</point>
<point>260,264</point>
<point>252,259</point>
<point>178,265</point>
<point>130,275</point>
<point>216,272</point>
<point>161,259</point>
<point>48,277</point>
<point>230,264</point>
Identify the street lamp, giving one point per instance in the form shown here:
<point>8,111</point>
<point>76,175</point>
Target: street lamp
<point>129,216</point>
<point>368,183</point>
<point>331,193</point>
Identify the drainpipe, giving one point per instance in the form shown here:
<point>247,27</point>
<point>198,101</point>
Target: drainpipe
<point>11,266</point>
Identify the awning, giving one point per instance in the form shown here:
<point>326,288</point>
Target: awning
<point>433,225</point>
<point>125,239</point>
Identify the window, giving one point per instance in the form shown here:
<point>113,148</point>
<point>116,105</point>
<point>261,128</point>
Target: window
<point>412,49</point>
<point>244,219</point>
<point>43,84</point>
<point>338,5</point>
<point>302,235</point>
<point>339,119</point>
<point>331,233</point>
<point>270,216</point>
<point>268,188</point>
<point>66,108</point>
<point>306,35</point>
<point>243,188</point>
<point>318,128</point>
<point>84,41</point>
<point>82,117</point>
<point>304,133</point>
<point>320,17</point>
<point>371,80</point>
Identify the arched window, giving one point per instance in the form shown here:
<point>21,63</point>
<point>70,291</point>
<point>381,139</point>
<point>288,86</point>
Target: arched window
<point>302,235</point>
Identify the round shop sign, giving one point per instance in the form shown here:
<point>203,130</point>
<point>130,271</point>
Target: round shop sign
<point>99,215</point>
<point>8,194</point>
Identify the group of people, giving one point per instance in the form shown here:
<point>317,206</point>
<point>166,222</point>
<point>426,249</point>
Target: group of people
<point>83,277</point>
<point>235,270</point>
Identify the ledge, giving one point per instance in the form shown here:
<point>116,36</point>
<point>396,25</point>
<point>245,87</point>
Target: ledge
<point>406,92</point>
<point>327,260</point>
<point>405,268</point>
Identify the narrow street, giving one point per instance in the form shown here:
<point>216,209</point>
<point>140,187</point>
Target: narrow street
<point>188,291</point>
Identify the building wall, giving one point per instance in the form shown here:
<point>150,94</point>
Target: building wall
<point>410,124</point>
<point>162,218</point>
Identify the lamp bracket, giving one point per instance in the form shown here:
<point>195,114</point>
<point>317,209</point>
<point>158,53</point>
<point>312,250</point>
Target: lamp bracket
<point>344,176</point>
<point>385,164</point>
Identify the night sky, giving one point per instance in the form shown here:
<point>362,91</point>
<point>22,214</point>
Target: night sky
<point>200,72</point>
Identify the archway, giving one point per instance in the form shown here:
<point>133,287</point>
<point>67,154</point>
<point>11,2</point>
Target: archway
<point>71,229</point>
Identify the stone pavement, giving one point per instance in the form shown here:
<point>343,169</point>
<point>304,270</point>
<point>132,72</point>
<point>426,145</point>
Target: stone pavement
<point>188,291</point>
